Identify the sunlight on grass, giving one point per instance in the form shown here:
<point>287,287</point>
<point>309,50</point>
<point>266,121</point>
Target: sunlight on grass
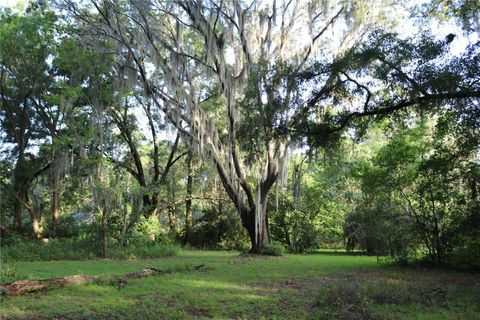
<point>235,286</point>
<point>205,285</point>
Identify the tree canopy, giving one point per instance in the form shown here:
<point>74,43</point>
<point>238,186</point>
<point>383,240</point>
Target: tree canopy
<point>307,123</point>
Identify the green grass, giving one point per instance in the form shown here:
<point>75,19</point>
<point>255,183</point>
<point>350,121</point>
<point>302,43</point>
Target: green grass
<point>245,287</point>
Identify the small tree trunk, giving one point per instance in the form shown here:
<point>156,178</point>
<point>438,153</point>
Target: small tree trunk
<point>55,202</point>
<point>172,210</point>
<point>125,224</point>
<point>154,203</point>
<point>147,204</point>
<point>220,202</point>
<point>20,189</point>
<point>17,215</point>
<point>103,232</point>
<point>188,199</point>
<point>172,218</point>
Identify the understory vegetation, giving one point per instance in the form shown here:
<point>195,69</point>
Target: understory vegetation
<point>81,249</point>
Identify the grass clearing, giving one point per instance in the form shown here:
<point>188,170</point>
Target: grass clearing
<point>245,287</point>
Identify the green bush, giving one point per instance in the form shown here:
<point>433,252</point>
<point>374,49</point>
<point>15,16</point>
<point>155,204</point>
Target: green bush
<point>58,249</point>
<point>380,232</point>
<point>466,256</point>
<point>218,231</point>
<point>146,230</point>
<point>273,249</point>
<point>155,250</point>
<point>81,249</point>
<point>67,227</point>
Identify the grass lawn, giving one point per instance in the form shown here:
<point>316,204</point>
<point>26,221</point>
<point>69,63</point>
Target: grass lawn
<point>318,286</point>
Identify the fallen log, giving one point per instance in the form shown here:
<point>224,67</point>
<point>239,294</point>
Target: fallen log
<point>142,273</point>
<point>20,287</point>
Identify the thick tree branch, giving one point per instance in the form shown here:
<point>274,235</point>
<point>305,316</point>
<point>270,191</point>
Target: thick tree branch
<point>431,98</point>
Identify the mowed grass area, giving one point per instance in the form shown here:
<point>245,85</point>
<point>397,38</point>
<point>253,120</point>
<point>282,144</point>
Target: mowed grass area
<point>319,286</point>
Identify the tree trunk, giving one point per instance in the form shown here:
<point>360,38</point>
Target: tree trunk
<point>220,202</point>
<point>148,207</point>
<point>24,175</point>
<point>254,216</point>
<point>20,190</point>
<point>103,233</point>
<point>33,217</point>
<point>172,212</point>
<point>17,214</point>
<point>261,227</point>
<point>188,199</point>
<point>55,202</point>
<point>269,176</point>
<point>172,218</point>
<point>248,222</point>
<point>125,224</point>
<point>154,204</point>
<point>256,229</point>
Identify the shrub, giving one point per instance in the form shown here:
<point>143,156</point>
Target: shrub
<point>146,230</point>
<point>155,250</point>
<point>380,232</point>
<point>82,248</point>
<point>67,227</point>
<point>273,249</point>
<point>467,256</point>
<point>214,230</point>
<point>57,249</point>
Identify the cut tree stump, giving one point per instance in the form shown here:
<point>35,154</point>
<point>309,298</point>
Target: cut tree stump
<point>20,287</point>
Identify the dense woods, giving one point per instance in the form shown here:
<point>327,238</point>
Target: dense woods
<point>129,128</point>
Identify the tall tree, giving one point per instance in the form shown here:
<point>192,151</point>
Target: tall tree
<point>25,80</point>
<point>127,124</point>
<point>187,44</point>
